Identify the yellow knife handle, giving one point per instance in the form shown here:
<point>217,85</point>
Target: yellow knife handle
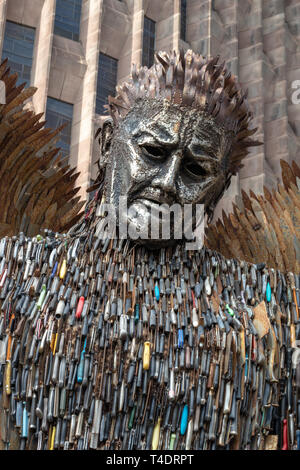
<point>146,355</point>
<point>52,438</point>
<point>155,438</point>
<point>8,378</point>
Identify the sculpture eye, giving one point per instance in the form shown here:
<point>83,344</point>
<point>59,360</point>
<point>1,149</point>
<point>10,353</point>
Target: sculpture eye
<point>153,152</point>
<point>195,170</point>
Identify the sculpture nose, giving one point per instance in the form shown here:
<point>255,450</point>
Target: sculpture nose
<point>166,178</point>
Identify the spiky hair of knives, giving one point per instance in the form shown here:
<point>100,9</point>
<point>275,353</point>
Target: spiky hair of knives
<point>191,80</point>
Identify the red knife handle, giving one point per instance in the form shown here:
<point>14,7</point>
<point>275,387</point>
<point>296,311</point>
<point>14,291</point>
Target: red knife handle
<point>79,307</point>
<point>285,436</point>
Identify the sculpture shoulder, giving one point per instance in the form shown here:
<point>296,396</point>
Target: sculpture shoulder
<point>263,228</point>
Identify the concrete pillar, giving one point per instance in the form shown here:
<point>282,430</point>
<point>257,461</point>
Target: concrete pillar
<point>42,55</point>
<point>176,26</point>
<point>198,33</point>
<point>277,40</point>
<point>3,7</point>
<point>164,16</point>
<point>224,41</point>
<point>84,108</point>
<point>137,32</point>
<point>252,70</point>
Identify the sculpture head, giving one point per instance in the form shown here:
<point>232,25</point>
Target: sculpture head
<point>179,132</point>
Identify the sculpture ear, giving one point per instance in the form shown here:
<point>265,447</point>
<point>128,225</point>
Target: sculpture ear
<point>104,135</point>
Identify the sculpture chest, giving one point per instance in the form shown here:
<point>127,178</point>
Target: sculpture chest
<point>112,347</point>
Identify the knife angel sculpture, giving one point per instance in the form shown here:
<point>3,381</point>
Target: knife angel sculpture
<point>125,343</point>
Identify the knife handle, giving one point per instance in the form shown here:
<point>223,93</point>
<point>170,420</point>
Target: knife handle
<point>285,436</point>
<point>298,439</point>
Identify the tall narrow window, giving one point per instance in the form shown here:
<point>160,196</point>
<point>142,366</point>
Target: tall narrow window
<point>148,42</point>
<point>107,81</point>
<point>67,18</point>
<point>183,20</point>
<point>58,113</point>
<point>18,48</point>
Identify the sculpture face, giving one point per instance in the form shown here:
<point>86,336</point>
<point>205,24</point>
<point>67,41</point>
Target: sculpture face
<point>162,153</point>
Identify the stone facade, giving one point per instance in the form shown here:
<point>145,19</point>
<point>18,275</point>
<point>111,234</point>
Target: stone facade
<point>259,40</point>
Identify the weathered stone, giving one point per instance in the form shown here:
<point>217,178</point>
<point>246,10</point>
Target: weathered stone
<point>249,38</point>
<point>272,7</point>
<point>275,111</point>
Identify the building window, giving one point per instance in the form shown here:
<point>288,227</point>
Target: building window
<point>18,48</point>
<point>148,42</point>
<point>183,20</point>
<point>58,113</point>
<point>107,81</point>
<point>67,18</point>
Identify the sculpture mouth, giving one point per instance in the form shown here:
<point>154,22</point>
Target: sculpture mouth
<point>153,206</point>
<point>153,197</point>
